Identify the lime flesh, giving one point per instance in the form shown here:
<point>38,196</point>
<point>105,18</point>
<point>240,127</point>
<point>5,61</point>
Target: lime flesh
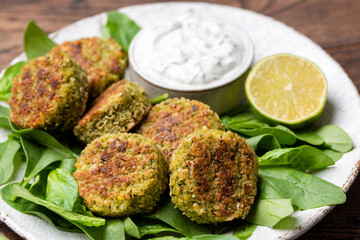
<point>286,89</point>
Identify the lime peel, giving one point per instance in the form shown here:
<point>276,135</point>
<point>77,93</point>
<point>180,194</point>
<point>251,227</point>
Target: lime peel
<point>286,89</point>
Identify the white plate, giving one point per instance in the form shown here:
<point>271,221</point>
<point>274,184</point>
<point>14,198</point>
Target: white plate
<point>269,37</point>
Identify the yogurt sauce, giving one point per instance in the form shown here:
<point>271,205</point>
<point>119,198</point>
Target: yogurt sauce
<point>191,50</point>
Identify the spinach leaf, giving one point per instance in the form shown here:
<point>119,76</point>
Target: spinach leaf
<point>5,118</point>
<point>335,155</point>
<point>7,80</point>
<point>38,186</point>
<point>199,237</point>
<point>305,191</point>
<point>244,231</point>
<point>263,143</point>
<point>22,192</point>
<point>37,158</point>
<point>28,207</point>
<point>121,28</point>
<point>302,158</point>
<point>335,138</point>
<point>113,229</point>
<point>68,165</point>
<point>131,229</point>
<point>284,135</point>
<point>155,228</point>
<point>159,99</point>
<point>238,117</point>
<point>61,189</point>
<point>36,41</point>
<point>47,140</point>
<point>310,137</point>
<point>9,159</point>
<point>39,136</point>
<point>167,213</point>
<point>268,212</point>
<point>251,124</point>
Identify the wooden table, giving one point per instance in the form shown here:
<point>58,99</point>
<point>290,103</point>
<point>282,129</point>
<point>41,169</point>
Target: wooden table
<point>334,25</point>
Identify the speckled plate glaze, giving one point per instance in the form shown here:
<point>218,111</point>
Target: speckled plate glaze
<point>269,37</point>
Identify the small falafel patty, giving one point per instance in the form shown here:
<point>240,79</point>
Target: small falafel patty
<point>117,110</point>
<point>170,121</point>
<point>121,175</point>
<point>103,60</point>
<point>213,176</point>
<point>50,93</point>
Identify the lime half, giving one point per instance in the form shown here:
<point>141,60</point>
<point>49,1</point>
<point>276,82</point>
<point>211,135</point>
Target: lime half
<point>286,89</point>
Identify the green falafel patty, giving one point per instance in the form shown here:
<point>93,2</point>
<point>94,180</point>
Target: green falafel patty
<point>121,175</point>
<point>50,93</point>
<point>103,60</point>
<point>170,121</point>
<point>213,176</point>
<point>117,110</point>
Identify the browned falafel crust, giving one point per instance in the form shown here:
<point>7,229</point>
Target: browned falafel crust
<point>50,93</point>
<point>103,60</point>
<point>117,110</point>
<point>213,176</point>
<point>120,175</point>
<point>170,121</point>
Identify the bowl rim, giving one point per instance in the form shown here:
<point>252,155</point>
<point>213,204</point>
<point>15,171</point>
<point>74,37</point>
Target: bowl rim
<point>248,54</point>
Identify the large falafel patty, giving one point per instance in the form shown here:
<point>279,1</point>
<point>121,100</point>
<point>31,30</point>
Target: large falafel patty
<point>50,93</point>
<point>120,175</point>
<point>117,110</point>
<point>103,60</point>
<point>213,176</point>
<point>170,121</point>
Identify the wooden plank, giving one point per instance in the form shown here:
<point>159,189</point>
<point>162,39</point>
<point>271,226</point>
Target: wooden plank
<point>334,25</point>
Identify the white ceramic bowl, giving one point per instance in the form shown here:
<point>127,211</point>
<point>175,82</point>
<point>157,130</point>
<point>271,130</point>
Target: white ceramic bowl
<point>222,95</point>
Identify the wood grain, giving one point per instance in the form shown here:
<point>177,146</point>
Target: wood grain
<point>334,25</point>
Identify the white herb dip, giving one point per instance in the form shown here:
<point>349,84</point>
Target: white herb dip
<point>192,50</point>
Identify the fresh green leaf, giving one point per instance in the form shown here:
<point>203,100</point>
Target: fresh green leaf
<point>38,186</point>
<point>159,99</point>
<point>211,237</point>
<point>113,229</point>
<point>302,158</point>
<point>105,33</point>
<point>7,79</point>
<point>167,213</point>
<point>37,158</point>
<point>9,159</point>
<point>310,137</point>
<point>199,237</point>
<point>79,208</point>
<point>335,155</point>
<point>251,124</point>
<point>121,28</point>
<point>47,140</point>
<point>305,191</point>
<point>28,207</point>
<point>131,229</point>
<point>36,41</point>
<point>335,138</point>
<point>244,231</point>
<point>5,118</point>
<point>68,165</point>
<point>150,229</point>
<point>61,189</point>
<point>39,136</point>
<point>268,212</point>
<point>284,135</point>
<point>22,192</point>
<point>263,143</point>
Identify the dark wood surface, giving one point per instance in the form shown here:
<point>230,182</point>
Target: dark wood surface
<point>333,24</point>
